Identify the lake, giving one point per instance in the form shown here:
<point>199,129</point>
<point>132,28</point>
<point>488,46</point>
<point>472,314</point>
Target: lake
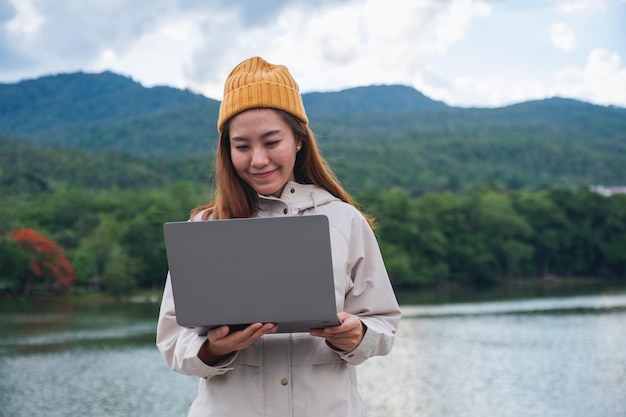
<point>545,357</point>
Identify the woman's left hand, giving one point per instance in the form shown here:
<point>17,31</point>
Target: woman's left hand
<point>346,336</point>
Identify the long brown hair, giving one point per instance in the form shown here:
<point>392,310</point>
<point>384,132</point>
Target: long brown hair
<point>234,198</point>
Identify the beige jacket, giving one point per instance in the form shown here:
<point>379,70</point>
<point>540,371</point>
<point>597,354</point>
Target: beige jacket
<point>296,374</point>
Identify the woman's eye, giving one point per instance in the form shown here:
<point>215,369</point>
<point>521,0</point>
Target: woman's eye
<point>272,143</point>
<point>241,148</point>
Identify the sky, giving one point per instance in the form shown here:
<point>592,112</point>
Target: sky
<point>467,53</point>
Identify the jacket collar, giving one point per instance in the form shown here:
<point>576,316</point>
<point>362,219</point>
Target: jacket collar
<point>298,197</point>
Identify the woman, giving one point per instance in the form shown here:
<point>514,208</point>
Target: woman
<point>268,164</point>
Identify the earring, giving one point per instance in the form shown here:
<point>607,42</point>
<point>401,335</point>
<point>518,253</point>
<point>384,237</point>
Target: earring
<point>298,148</point>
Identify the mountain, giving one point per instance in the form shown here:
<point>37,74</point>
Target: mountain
<point>374,137</point>
<point>109,111</point>
<point>368,99</point>
<point>82,99</point>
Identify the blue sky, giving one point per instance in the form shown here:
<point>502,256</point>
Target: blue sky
<point>471,53</point>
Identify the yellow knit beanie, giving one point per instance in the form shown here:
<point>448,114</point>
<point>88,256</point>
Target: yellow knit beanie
<point>256,83</point>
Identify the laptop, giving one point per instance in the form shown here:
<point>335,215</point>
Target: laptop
<point>237,272</point>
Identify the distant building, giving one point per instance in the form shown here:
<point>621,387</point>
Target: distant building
<point>608,191</point>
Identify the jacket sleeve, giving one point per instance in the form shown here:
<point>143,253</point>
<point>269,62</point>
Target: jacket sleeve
<point>180,346</point>
<point>371,297</point>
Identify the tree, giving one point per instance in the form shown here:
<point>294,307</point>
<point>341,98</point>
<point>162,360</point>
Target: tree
<point>92,255</point>
<point>47,262</point>
<point>13,264</point>
<point>505,233</point>
<point>412,244</point>
<point>119,272</point>
<point>612,240</point>
<point>548,223</point>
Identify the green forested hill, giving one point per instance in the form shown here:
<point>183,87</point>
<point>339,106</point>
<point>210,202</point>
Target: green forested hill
<point>375,137</point>
<point>32,170</point>
<point>80,99</point>
<point>370,99</point>
<point>97,163</point>
<point>539,144</point>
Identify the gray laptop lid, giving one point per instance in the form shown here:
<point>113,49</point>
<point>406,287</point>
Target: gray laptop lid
<point>242,271</point>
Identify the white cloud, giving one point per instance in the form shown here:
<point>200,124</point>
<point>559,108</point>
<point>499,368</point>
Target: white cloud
<point>488,92</point>
<point>563,37</point>
<point>602,80</point>
<point>464,52</point>
<point>156,57</point>
<point>340,45</point>
<point>577,6</point>
<point>27,21</point>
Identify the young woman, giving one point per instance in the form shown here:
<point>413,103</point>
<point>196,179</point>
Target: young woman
<point>268,164</point>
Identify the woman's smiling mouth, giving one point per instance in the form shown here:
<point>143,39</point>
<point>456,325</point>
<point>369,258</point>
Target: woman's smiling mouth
<point>262,175</point>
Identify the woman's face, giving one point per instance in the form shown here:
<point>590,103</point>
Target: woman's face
<point>263,150</point>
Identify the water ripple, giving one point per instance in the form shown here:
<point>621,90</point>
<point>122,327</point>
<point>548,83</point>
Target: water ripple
<point>555,305</point>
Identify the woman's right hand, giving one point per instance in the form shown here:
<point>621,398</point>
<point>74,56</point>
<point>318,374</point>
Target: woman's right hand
<point>220,342</point>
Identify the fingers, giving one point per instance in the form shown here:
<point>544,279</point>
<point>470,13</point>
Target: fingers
<point>346,336</point>
<point>217,333</point>
<point>221,342</point>
<point>254,332</point>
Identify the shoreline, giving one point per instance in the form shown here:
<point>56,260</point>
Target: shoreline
<point>504,290</point>
<point>442,293</point>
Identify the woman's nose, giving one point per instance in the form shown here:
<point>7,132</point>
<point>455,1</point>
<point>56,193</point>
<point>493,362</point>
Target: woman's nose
<point>259,157</point>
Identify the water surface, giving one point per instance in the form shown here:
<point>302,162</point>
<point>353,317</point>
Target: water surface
<point>548,357</point>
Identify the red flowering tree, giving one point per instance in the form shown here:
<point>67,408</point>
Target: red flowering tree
<point>47,262</point>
